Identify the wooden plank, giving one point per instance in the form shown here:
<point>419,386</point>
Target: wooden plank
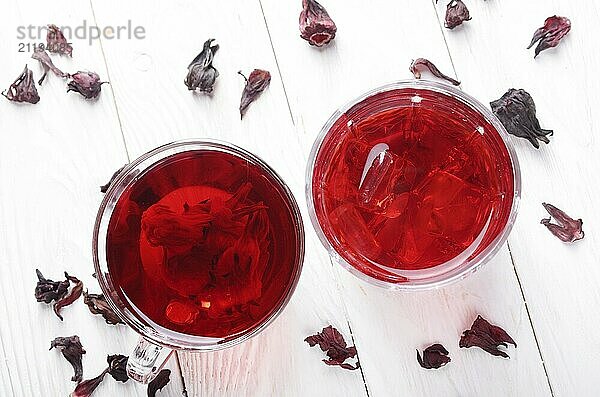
<point>375,44</point>
<point>156,108</point>
<point>559,280</point>
<point>53,158</point>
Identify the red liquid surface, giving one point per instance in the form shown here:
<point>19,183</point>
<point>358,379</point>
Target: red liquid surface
<point>204,243</point>
<point>410,179</point>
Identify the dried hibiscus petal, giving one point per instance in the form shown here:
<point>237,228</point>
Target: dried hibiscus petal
<point>104,188</point>
<point>516,111</point>
<point>98,305</point>
<point>161,380</point>
<point>72,350</point>
<point>331,341</point>
<point>549,35</point>
<point>117,367</point>
<point>47,290</point>
<point>72,296</point>
<point>566,228</point>
<point>316,26</point>
<point>56,41</point>
<point>202,74</point>
<point>422,62</point>
<point>434,357</point>
<point>87,387</point>
<point>487,337</point>
<point>23,89</point>
<point>456,13</point>
<point>40,54</point>
<point>87,84</point>
<point>256,83</point>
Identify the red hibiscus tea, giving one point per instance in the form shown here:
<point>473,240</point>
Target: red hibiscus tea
<point>205,243</point>
<point>411,182</point>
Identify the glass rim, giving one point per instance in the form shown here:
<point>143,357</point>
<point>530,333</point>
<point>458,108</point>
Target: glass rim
<point>124,179</point>
<point>466,267</point>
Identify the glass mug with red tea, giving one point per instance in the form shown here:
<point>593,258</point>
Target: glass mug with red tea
<point>413,185</point>
<point>198,245</point>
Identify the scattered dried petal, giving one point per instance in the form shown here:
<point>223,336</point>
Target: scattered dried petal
<point>256,83</point>
<point>23,89</point>
<point>434,357</point>
<point>73,295</point>
<point>456,13</point>
<point>316,26</point>
<point>202,74</point>
<point>161,380</point>
<point>331,341</point>
<point>56,41</point>
<point>98,305</point>
<point>87,387</point>
<point>117,367</point>
<point>566,228</point>
<point>549,35</point>
<point>104,188</point>
<point>47,290</point>
<point>417,63</point>
<point>72,350</point>
<point>516,111</point>
<point>88,84</point>
<point>487,337</point>
<point>40,54</point>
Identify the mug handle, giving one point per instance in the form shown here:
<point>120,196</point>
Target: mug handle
<point>146,361</point>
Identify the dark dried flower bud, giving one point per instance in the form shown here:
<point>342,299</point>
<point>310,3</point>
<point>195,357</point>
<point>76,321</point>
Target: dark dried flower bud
<point>422,62</point>
<point>117,367</point>
<point>42,56</point>
<point>202,74</point>
<point>456,13</point>
<point>104,188</point>
<point>434,357</point>
<point>47,290</point>
<point>98,305</point>
<point>87,387</point>
<point>316,26</point>
<point>487,337</point>
<point>88,84</point>
<point>256,83</point>
<point>516,111</point>
<point>56,41</point>
<point>549,35</point>
<point>73,295</point>
<point>566,228</point>
<point>23,89</point>
<point>332,342</point>
<point>72,350</point>
<point>161,380</point>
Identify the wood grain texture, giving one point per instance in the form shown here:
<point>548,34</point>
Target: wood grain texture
<point>559,280</point>
<point>156,108</point>
<point>53,158</point>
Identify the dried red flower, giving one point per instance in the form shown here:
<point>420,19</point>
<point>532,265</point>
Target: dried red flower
<point>202,74</point>
<point>256,83</point>
<point>88,84</point>
<point>104,188</point>
<point>117,367</point>
<point>72,350</point>
<point>487,337</point>
<point>422,62</point>
<point>40,54</point>
<point>87,387</point>
<point>56,41</point>
<point>434,357</point>
<point>161,380</point>
<point>549,35</point>
<point>23,89</point>
<point>566,229</point>
<point>47,290</point>
<point>516,110</point>
<point>456,13</point>
<point>98,305</point>
<point>331,341</point>
<point>73,295</point>
<point>316,26</point>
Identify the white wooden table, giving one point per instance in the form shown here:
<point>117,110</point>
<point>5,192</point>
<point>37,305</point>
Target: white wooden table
<point>54,155</point>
